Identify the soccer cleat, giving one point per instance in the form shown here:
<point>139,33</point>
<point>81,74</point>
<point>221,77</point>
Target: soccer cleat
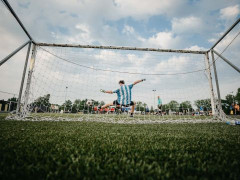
<point>131,115</point>
<point>143,79</point>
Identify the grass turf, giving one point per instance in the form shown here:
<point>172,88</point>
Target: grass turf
<point>71,150</point>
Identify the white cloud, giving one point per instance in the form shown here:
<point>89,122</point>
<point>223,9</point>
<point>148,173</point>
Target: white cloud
<point>230,12</point>
<point>144,9</point>
<point>82,27</point>
<point>173,64</point>
<point>121,61</point>
<point>212,40</point>
<point>187,25</point>
<point>82,34</point>
<point>196,48</point>
<point>128,30</point>
<point>163,40</point>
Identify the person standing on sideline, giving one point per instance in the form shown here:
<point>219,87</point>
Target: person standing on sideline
<point>159,105</point>
<point>238,110</point>
<point>235,109</point>
<point>231,109</point>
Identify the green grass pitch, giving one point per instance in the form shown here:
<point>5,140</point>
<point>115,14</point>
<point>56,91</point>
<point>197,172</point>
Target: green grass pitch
<point>92,150</point>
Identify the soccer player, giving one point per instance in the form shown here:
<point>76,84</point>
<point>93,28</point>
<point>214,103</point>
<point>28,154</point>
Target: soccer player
<point>124,95</point>
<point>159,105</point>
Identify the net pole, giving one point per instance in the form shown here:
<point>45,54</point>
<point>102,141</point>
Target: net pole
<point>17,19</point>
<point>208,69</point>
<point>216,80</point>
<point>23,78</point>
<point>30,72</point>
<point>237,21</point>
<point>13,53</point>
<point>227,61</point>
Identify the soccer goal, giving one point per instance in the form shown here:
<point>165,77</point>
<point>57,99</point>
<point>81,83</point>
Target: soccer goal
<point>67,82</point>
<point>64,83</point>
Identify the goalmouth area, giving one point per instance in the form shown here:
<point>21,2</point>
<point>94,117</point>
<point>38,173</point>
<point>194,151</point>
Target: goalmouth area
<point>58,131</point>
<point>59,79</point>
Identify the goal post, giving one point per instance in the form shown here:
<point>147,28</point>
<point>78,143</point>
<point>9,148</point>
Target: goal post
<point>208,69</point>
<point>25,106</point>
<point>179,77</point>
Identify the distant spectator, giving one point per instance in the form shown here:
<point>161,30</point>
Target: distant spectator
<point>201,110</point>
<point>235,108</point>
<point>159,105</point>
<point>231,109</point>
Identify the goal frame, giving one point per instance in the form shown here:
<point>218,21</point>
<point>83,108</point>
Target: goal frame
<point>32,44</point>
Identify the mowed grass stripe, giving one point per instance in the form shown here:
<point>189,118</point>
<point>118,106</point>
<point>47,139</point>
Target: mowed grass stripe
<point>71,150</point>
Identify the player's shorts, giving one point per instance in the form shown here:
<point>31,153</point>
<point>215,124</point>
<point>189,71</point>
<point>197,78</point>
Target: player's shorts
<point>116,103</point>
<point>160,106</point>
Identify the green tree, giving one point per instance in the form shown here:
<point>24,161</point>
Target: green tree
<point>13,104</point>
<point>151,110</point>
<point>225,106</point>
<point>237,97</point>
<point>67,106</point>
<point>102,103</point>
<point>43,101</point>
<point>229,99</point>
<point>76,106</point>
<point>186,105</point>
<point>80,105</point>
<point>140,106</point>
<point>205,103</point>
<point>173,105</point>
<point>144,105</point>
<point>13,99</point>
<point>165,107</point>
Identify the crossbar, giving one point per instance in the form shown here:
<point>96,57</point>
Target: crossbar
<point>227,61</point>
<point>121,48</point>
<point>13,53</point>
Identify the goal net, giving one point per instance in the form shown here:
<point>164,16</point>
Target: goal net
<point>64,83</point>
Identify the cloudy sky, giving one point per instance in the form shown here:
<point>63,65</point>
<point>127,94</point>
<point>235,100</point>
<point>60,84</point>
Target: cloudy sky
<point>186,24</point>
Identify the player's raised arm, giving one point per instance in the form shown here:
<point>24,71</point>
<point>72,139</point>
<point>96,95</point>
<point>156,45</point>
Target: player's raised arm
<point>109,92</point>
<point>138,81</point>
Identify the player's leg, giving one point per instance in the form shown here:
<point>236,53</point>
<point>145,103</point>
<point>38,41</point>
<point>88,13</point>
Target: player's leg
<point>109,104</point>
<point>160,109</point>
<point>133,108</point>
<point>106,105</point>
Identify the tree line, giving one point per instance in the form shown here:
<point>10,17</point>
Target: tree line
<point>43,102</point>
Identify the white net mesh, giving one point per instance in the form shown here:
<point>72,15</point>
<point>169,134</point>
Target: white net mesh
<point>228,77</point>
<point>65,85</point>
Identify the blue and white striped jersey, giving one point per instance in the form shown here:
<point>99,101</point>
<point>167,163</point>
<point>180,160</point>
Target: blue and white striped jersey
<point>124,94</point>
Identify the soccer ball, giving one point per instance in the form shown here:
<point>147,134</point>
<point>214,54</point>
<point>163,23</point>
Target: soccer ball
<point>89,102</point>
